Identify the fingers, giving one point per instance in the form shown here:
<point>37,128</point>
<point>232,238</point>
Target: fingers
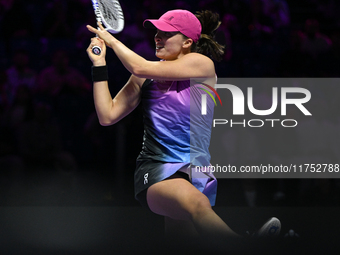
<point>102,33</point>
<point>95,41</point>
<point>100,25</point>
<point>99,39</point>
<point>97,59</point>
<point>92,29</point>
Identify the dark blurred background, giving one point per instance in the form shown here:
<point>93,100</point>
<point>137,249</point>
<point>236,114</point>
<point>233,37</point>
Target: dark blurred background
<point>53,152</point>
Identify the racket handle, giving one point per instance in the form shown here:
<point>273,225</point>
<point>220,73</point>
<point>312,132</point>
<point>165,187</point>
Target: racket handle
<point>96,50</point>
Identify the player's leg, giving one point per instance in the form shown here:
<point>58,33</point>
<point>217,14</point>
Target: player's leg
<point>178,199</point>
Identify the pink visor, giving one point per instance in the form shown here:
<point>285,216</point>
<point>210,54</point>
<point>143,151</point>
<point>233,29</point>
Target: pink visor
<point>177,21</point>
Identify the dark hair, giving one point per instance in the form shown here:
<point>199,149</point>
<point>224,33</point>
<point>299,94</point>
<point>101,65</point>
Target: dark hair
<point>207,45</point>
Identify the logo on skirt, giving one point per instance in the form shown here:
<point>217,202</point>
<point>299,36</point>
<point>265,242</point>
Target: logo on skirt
<point>146,178</point>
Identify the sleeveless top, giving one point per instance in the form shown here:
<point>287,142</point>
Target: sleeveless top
<point>176,134</point>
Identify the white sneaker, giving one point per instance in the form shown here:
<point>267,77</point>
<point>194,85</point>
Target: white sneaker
<point>271,228</point>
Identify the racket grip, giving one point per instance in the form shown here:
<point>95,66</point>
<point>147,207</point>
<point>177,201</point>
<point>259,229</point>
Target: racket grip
<point>96,50</point>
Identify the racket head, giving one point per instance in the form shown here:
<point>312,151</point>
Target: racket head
<point>110,14</point>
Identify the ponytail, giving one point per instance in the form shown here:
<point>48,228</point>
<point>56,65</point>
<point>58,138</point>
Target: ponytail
<point>207,45</point>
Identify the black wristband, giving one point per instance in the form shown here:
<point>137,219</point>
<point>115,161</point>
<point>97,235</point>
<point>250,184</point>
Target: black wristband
<point>99,73</point>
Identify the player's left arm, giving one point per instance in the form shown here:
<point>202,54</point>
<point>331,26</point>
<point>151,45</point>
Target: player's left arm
<point>192,65</point>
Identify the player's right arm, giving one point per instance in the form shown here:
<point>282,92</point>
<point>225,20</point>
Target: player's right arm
<point>110,111</point>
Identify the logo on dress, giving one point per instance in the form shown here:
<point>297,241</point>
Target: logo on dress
<point>204,97</point>
<point>146,178</point>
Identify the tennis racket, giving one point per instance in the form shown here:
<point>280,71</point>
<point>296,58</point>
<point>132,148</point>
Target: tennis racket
<point>110,14</point>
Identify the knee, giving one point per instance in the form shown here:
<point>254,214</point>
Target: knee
<point>200,208</point>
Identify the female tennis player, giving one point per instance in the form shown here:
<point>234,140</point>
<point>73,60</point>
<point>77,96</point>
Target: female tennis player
<point>176,134</point>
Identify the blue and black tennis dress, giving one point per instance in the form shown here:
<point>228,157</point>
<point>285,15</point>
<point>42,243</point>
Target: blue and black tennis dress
<point>176,136</point>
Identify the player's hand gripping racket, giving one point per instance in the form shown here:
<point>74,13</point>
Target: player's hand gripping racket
<point>110,14</point>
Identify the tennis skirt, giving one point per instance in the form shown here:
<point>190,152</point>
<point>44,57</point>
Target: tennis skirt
<point>149,172</point>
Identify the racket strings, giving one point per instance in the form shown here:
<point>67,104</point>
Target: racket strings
<point>111,12</point>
